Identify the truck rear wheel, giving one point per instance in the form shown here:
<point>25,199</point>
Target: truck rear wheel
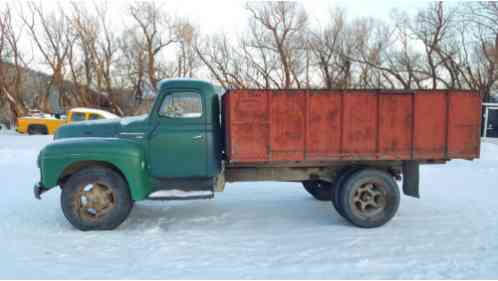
<point>338,184</point>
<point>369,198</point>
<point>320,190</point>
<point>96,198</point>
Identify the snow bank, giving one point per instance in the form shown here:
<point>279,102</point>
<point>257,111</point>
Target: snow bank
<point>254,230</point>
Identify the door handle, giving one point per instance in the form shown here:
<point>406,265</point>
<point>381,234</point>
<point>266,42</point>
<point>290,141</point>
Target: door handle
<point>199,137</point>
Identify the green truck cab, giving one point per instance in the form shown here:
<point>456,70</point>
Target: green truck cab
<point>177,146</point>
<point>190,143</point>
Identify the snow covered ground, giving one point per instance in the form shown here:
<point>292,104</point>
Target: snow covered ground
<point>254,230</point>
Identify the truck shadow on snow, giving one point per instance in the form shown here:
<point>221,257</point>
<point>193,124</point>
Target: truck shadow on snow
<point>270,212</point>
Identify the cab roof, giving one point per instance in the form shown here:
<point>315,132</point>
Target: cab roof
<point>186,84</point>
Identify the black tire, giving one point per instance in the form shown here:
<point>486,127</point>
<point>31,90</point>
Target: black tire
<point>320,190</point>
<point>338,184</point>
<point>369,198</point>
<point>37,130</point>
<point>116,195</point>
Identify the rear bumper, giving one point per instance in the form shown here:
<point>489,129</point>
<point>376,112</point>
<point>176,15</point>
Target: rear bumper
<point>38,190</point>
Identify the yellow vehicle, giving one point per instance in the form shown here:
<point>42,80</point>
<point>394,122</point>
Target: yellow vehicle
<point>47,124</point>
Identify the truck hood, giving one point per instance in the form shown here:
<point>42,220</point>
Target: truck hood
<point>108,128</point>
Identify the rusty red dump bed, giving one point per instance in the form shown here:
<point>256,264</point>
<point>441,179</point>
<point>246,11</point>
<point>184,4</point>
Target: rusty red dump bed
<point>265,126</point>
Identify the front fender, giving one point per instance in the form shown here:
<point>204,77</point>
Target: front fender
<point>127,156</point>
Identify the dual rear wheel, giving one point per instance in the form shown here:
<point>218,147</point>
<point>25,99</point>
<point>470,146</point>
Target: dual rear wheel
<point>365,197</point>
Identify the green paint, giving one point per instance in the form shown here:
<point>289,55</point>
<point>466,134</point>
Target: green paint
<point>144,147</point>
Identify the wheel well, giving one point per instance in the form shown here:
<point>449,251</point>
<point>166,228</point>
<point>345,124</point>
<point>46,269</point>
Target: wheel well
<point>38,126</point>
<point>393,171</point>
<point>78,166</point>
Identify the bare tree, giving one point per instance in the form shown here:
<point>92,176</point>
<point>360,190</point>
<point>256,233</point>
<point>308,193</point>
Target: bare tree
<point>279,28</point>
<point>157,30</point>
<point>222,60</point>
<point>331,52</point>
<point>440,47</point>
<point>81,57</point>
<point>105,56</point>
<point>131,64</point>
<point>275,53</point>
<point>187,59</point>
<point>479,54</point>
<point>98,47</point>
<point>432,26</point>
<point>11,64</point>
<point>392,50</point>
<point>377,65</point>
<point>52,35</point>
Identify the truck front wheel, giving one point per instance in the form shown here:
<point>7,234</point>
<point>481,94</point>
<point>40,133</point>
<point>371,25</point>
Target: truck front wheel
<point>320,190</point>
<point>96,198</point>
<point>369,198</point>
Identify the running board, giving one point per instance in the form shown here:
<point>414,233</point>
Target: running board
<point>176,194</point>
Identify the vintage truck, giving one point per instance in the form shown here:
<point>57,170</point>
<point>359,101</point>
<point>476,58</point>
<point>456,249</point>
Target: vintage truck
<point>47,124</point>
<point>346,146</point>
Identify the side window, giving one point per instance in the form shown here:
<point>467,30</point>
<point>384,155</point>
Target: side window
<point>78,116</point>
<point>93,116</point>
<point>182,105</point>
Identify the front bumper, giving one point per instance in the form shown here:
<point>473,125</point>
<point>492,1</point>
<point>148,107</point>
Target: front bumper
<point>38,190</point>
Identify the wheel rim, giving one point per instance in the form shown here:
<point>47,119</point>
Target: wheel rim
<point>369,199</point>
<point>94,201</point>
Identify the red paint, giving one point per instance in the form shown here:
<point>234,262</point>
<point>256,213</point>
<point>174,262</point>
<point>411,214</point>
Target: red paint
<point>395,126</point>
<point>464,114</point>
<point>359,134</point>
<point>323,125</point>
<point>288,116</point>
<point>430,125</point>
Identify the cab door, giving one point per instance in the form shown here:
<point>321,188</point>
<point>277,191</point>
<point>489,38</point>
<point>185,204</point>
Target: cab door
<point>177,144</point>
